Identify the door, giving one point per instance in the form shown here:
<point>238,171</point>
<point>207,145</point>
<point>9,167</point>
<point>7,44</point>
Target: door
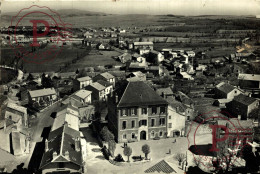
<point>142,135</point>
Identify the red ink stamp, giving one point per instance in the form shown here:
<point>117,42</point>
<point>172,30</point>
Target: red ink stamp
<point>37,34</point>
<point>217,142</point>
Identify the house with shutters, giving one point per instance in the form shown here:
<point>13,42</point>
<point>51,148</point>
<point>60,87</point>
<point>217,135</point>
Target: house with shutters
<point>136,112</point>
<point>106,77</point>
<point>43,97</point>
<point>81,82</point>
<point>98,91</point>
<point>83,96</point>
<point>63,152</point>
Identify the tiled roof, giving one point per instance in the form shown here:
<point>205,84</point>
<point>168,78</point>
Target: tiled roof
<point>42,92</point>
<point>161,166</point>
<point>224,87</point>
<point>60,141</point>
<point>241,98</point>
<point>139,93</point>
<point>17,107</point>
<point>235,124</point>
<point>165,91</point>
<point>252,77</point>
<point>97,86</point>
<point>107,75</point>
<point>82,93</point>
<point>180,108</point>
<point>82,79</point>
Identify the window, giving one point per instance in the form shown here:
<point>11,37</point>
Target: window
<point>61,165</point>
<point>188,117</point>
<point>235,92</point>
<point>162,110</point>
<point>143,122</point>
<point>154,110</point>
<point>10,117</point>
<point>152,134</point>
<point>170,117</point>
<point>124,125</point>
<point>160,133</point>
<point>133,123</point>
<point>133,111</point>
<point>152,122</point>
<point>123,112</point>
<point>170,125</point>
<point>124,136</point>
<point>133,135</point>
<point>144,110</point>
<point>162,121</point>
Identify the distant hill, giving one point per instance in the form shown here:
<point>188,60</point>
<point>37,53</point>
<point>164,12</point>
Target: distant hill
<point>62,12</point>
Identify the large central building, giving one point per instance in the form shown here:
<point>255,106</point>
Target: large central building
<point>137,112</point>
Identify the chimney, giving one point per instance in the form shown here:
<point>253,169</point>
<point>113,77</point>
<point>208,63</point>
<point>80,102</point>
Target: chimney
<point>77,144</point>
<point>116,98</point>
<point>66,154</point>
<point>54,155</point>
<point>46,145</point>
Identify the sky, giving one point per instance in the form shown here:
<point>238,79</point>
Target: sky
<point>153,7</point>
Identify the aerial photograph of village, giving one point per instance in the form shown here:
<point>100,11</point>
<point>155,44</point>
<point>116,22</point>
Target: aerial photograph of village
<point>129,87</point>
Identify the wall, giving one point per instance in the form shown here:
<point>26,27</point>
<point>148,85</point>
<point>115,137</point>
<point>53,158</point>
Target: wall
<point>177,120</point>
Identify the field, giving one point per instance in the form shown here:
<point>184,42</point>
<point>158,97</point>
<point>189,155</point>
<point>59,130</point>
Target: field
<point>65,57</point>
<point>95,58</point>
<point>7,75</point>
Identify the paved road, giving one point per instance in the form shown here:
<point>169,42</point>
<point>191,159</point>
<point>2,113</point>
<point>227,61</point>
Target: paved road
<point>43,120</point>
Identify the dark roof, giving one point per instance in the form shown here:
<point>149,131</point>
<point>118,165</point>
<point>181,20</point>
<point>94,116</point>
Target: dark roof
<point>96,86</point>
<point>60,141</point>
<point>161,166</point>
<point>226,88</point>
<point>241,98</point>
<point>104,83</point>
<point>139,93</point>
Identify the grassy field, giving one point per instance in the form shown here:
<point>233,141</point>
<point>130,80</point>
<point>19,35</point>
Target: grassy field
<point>7,75</point>
<point>65,56</point>
<point>96,58</point>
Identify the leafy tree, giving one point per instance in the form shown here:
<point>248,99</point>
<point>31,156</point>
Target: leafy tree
<point>112,146</point>
<point>128,152</point>
<point>180,157</point>
<point>106,135</point>
<point>30,77</point>
<point>146,150</point>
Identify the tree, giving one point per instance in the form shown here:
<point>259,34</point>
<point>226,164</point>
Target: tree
<point>112,146</point>
<point>146,150</point>
<point>180,157</point>
<point>30,77</point>
<point>128,152</point>
<point>106,135</point>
